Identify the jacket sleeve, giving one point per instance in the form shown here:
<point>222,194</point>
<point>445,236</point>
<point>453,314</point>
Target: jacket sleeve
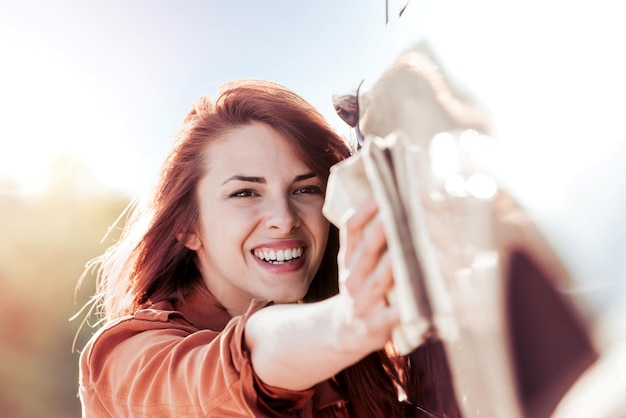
<point>156,365</point>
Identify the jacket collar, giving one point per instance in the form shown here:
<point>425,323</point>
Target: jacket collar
<point>200,308</point>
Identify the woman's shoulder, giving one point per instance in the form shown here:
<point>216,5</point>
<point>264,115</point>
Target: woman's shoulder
<point>161,315</point>
<point>153,358</point>
<point>159,321</point>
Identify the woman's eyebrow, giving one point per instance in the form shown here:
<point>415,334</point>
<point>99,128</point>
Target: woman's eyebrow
<point>303,177</point>
<point>241,177</point>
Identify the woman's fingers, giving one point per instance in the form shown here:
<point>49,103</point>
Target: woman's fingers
<point>373,292</point>
<point>365,257</point>
<point>370,319</point>
<point>353,229</point>
<point>366,276</point>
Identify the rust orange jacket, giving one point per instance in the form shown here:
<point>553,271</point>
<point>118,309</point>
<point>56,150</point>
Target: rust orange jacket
<point>186,361</point>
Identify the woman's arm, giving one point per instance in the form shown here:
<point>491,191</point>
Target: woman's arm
<point>297,346</point>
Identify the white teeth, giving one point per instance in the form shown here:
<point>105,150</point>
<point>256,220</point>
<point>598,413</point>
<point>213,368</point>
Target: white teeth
<point>279,256</point>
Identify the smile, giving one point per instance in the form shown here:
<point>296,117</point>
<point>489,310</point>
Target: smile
<point>279,256</point>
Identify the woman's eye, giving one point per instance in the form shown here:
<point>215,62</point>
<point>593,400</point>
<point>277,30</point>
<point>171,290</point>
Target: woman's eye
<point>243,193</point>
<point>309,190</point>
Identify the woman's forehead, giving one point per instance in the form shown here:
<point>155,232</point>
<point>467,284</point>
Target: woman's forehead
<point>253,149</point>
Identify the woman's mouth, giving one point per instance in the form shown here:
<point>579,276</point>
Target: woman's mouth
<point>274,256</point>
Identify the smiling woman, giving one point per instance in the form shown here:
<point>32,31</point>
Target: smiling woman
<point>51,109</point>
<point>208,312</point>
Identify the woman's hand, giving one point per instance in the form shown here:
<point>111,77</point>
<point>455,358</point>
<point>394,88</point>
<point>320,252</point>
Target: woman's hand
<point>365,277</point>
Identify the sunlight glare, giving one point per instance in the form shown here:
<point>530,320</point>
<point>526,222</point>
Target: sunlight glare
<point>49,108</point>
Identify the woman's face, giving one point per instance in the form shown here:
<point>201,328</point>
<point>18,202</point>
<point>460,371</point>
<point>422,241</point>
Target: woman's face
<point>262,233</point>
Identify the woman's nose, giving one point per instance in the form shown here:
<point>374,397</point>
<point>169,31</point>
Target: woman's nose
<point>282,215</point>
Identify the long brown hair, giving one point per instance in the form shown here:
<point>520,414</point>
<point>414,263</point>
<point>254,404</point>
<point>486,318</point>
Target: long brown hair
<point>150,262</point>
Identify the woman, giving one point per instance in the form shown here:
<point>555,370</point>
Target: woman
<point>203,294</point>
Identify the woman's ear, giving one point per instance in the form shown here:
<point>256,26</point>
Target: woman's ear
<point>191,240</point>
